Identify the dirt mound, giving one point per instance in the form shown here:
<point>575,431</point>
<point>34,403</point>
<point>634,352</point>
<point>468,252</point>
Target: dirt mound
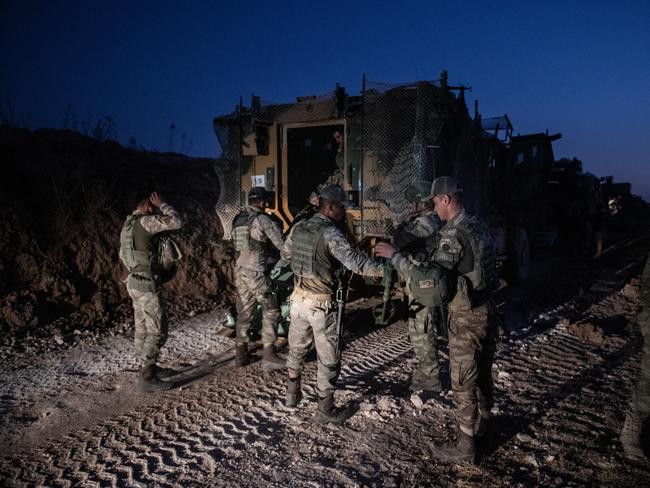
<point>63,199</point>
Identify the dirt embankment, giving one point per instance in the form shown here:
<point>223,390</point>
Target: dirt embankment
<point>63,199</point>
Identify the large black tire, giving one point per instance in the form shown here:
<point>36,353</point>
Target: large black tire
<point>518,264</point>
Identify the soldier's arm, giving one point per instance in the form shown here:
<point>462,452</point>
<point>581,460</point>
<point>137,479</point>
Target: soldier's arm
<point>285,251</point>
<point>272,231</point>
<point>169,220</point>
<point>403,264</point>
<point>340,248</point>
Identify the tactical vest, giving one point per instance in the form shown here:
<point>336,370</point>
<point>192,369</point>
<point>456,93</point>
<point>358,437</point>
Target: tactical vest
<point>483,274</point>
<point>309,256</point>
<point>241,230</point>
<point>135,249</point>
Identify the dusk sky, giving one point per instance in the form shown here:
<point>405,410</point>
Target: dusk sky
<point>580,68</point>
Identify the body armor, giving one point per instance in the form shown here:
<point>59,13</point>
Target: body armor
<point>135,251</point>
<point>310,258</point>
<point>242,232</point>
<point>483,273</point>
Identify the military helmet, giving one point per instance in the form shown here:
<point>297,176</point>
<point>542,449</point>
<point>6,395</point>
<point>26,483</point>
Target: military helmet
<point>419,191</point>
<point>258,193</point>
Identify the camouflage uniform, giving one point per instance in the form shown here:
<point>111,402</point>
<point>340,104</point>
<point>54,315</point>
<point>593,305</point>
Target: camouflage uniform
<point>313,308</point>
<point>467,248</point>
<point>143,283</point>
<point>252,280</point>
<point>416,240</point>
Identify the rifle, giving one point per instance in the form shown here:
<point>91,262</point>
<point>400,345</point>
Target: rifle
<point>340,307</point>
<point>386,309</point>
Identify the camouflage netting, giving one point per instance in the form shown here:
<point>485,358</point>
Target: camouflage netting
<point>63,199</point>
<point>229,134</point>
<point>411,131</point>
<point>416,131</point>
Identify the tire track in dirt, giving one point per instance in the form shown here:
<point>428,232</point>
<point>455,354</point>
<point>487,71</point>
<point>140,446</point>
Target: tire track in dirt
<point>562,391</point>
<point>211,431</point>
<point>145,444</point>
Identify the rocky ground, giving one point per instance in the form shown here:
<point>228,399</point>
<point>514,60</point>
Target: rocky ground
<point>567,357</point>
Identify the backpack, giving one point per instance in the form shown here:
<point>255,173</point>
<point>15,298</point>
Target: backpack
<point>430,285</point>
<point>169,254</point>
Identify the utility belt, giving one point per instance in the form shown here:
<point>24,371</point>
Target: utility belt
<point>299,293</point>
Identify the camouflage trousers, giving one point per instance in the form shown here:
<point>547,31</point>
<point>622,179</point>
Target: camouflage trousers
<point>471,352</point>
<point>150,324</point>
<point>313,323</point>
<point>255,287</point>
<point>424,339</point>
<point>641,392</point>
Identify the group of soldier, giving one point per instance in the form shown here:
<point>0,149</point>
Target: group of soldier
<point>445,256</point>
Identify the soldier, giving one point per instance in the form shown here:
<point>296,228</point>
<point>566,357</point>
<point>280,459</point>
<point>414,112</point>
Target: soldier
<point>467,250</point>
<point>254,231</point>
<point>309,210</point>
<point>416,240</point>
<point>139,241</point>
<point>639,407</point>
<point>339,173</point>
<point>317,249</point>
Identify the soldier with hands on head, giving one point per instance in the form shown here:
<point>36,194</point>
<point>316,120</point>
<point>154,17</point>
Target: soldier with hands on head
<point>416,239</point>
<point>317,250</point>
<point>467,251</point>
<point>639,407</point>
<point>253,233</point>
<point>139,252</point>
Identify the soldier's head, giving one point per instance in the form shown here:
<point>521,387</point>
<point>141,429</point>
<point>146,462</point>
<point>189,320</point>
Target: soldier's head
<point>418,194</point>
<point>333,202</point>
<point>258,197</point>
<point>144,205</point>
<point>315,195</point>
<point>338,137</point>
<point>447,195</point>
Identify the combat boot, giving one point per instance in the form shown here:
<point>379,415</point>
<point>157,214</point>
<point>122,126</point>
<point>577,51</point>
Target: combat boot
<point>328,413</point>
<point>149,380</point>
<point>461,452</point>
<point>294,393</point>
<point>242,356</point>
<point>631,435</point>
<point>270,361</point>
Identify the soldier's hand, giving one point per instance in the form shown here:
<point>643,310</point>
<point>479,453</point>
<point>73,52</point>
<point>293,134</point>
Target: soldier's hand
<point>156,199</point>
<point>385,250</point>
